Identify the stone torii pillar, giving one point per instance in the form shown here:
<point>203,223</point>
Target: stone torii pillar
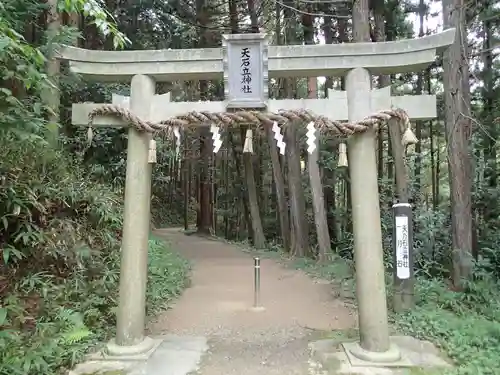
<point>357,62</point>
<point>130,341</point>
<point>368,253</point>
<point>134,260</point>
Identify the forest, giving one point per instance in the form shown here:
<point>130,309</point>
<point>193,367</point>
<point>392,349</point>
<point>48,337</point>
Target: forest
<point>61,191</point>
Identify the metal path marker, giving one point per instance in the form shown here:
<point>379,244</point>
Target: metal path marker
<point>356,61</point>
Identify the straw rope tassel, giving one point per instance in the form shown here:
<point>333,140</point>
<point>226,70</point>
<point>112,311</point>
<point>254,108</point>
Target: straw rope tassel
<point>90,135</point>
<point>248,146</point>
<point>152,152</point>
<point>409,137</point>
<point>177,135</point>
<point>342,155</point>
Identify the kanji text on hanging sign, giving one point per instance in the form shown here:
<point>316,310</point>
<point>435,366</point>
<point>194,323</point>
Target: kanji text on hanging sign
<point>245,70</point>
<point>402,248</point>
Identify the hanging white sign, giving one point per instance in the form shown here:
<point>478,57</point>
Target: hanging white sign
<point>402,248</point>
<point>245,70</point>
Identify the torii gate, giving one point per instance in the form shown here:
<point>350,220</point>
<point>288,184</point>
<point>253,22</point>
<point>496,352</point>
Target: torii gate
<point>356,61</point>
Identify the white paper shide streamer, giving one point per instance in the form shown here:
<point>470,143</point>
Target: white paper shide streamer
<point>248,146</point>
<point>279,138</point>
<point>216,138</point>
<point>311,137</point>
<point>177,135</point>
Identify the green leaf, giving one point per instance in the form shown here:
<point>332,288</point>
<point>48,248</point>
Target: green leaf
<point>6,255</point>
<point>4,42</point>
<point>6,91</point>
<point>3,315</point>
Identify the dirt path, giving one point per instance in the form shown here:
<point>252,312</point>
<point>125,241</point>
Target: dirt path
<point>218,306</point>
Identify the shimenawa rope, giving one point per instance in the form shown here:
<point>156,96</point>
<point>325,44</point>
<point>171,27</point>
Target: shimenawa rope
<point>261,119</point>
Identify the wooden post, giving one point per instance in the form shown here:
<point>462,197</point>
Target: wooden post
<point>403,281</point>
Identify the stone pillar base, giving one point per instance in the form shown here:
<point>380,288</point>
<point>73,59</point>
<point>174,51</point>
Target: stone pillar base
<point>160,355</point>
<point>139,352</point>
<point>336,357</point>
<point>361,357</point>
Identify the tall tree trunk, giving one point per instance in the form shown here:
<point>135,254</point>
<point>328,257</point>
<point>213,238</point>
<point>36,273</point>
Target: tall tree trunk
<point>290,39</point>
<point>51,95</point>
<point>344,226</point>
<point>259,240</point>
<point>226,172</point>
<point>383,80</point>
<point>278,173</point>
<point>277,30</point>
<point>205,197</point>
<point>434,145</point>
<point>418,125</point>
<point>297,201</point>
<point>433,164</point>
<point>233,16</point>
<point>300,241</point>
<point>329,188</point>
<point>187,183</point>
<point>491,135</point>
<point>458,133</point>
<point>328,33</point>
<point>243,199</point>
<point>279,183</point>
<point>313,168</point>
<point>254,18</point>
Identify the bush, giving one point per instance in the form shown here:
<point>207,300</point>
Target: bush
<point>60,242</point>
<point>465,325</point>
<point>168,276</point>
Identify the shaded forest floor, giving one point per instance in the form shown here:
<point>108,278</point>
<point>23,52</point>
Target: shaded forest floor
<point>218,306</point>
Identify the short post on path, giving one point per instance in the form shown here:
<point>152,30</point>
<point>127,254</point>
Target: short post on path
<point>256,301</point>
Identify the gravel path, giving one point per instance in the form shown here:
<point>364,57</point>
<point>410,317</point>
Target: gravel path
<point>218,306</point>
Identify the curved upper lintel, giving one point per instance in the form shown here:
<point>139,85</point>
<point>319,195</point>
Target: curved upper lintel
<point>284,61</point>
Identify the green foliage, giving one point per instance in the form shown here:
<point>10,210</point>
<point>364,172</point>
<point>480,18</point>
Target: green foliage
<point>22,65</point>
<point>168,276</point>
<point>21,70</point>
<point>105,160</point>
<point>96,11</point>
<point>465,325</point>
<point>60,241</point>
